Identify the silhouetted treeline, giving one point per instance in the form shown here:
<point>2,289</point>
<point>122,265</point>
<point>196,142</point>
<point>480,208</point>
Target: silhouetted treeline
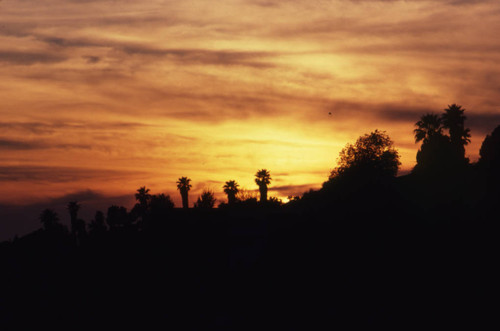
<point>369,249</point>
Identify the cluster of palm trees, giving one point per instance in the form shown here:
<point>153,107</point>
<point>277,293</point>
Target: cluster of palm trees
<point>443,138</point>
<point>231,189</point>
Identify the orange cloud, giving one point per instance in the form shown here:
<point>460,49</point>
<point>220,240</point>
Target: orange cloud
<point>111,96</point>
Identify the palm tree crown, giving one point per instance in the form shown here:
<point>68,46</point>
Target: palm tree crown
<point>428,126</point>
<point>454,120</point>
<point>263,177</point>
<point>143,196</point>
<point>231,188</point>
<point>183,183</point>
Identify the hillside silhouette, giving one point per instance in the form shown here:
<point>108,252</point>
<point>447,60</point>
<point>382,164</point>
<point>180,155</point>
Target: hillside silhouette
<point>369,249</point>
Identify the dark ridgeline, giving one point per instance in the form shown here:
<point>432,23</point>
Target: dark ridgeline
<point>369,249</point>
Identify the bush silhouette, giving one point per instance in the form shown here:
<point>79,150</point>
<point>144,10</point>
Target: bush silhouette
<point>206,200</point>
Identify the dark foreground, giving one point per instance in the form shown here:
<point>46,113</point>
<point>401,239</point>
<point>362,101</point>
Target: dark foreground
<point>288,269</point>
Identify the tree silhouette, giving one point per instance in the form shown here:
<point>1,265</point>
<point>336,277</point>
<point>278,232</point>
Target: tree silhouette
<point>143,201</point>
<point>206,200</point>
<point>231,188</point>
<point>142,196</point>
<point>440,153</point>
<point>73,208</point>
<point>454,120</point>
<point>49,219</point>
<point>372,156</point>
<point>117,217</point>
<point>490,152</point>
<point>428,127</point>
<point>97,225</point>
<point>263,178</point>
<point>161,204</point>
<point>183,185</point>
<point>436,156</point>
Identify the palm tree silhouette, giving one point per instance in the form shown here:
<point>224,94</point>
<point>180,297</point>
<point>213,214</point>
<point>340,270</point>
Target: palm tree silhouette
<point>454,120</point>
<point>231,189</point>
<point>143,196</point>
<point>184,186</point>
<point>428,127</point>
<point>73,208</point>
<point>263,178</point>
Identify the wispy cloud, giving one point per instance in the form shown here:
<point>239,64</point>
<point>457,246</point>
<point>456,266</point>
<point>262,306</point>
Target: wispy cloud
<point>151,91</point>
<point>56,174</point>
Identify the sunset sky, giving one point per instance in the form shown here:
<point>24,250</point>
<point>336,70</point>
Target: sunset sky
<point>98,97</point>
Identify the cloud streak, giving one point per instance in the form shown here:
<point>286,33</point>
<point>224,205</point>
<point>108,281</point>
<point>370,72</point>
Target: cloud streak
<point>152,91</point>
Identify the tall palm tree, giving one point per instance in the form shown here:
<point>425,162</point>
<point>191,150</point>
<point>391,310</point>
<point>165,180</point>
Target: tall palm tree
<point>231,188</point>
<point>428,127</point>
<point>184,186</point>
<point>143,196</point>
<point>454,120</point>
<point>73,208</point>
<point>263,178</point>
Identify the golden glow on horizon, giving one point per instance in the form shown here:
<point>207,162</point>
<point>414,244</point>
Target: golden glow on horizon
<point>112,96</point>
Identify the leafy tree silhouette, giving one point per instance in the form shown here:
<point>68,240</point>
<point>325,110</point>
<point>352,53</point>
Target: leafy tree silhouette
<point>435,156</point>
<point>262,179</point>
<point>371,157</point>
<point>183,185</point>
<point>97,225</point>
<point>117,217</point>
<point>275,202</point>
<point>73,208</point>
<point>231,188</point>
<point>49,219</point>
<point>206,200</point>
<point>490,152</point>
<point>160,205</point>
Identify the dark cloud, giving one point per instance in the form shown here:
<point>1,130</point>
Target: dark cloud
<point>30,58</point>
<point>92,59</point>
<point>344,109</point>
<point>51,127</point>
<point>199,56</point>
<point>26,173</point>
<point>11,144</point>
<point>481,123</point>
<point>178,55</point>
<point>295,190</point>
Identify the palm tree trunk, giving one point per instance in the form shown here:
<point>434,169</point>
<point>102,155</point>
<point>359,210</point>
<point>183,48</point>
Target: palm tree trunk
<point>185,202</point>
<point>263,193</point>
